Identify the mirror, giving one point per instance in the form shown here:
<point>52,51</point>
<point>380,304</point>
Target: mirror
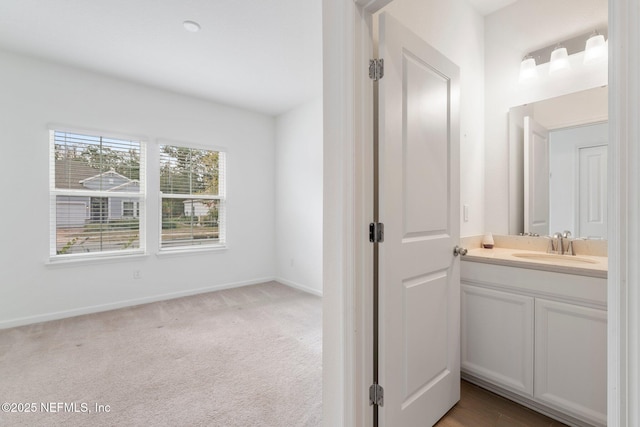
<point>574,153</point>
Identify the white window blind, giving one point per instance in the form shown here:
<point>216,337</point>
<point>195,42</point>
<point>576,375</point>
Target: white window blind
<point>97,193</point>
<point>192,193</point>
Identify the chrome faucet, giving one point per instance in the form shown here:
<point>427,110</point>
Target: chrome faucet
<point>555,244</point>
<point>566,235</point>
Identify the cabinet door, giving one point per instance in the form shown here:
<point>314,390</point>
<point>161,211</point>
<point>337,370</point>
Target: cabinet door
<point>497,337</point>
<point>571,359</point>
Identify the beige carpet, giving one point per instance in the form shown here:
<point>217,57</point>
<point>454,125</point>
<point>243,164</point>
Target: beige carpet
<point>249,356</point>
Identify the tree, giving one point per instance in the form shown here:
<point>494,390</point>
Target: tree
<point>189,171</point>
<point>100,153</point>
<point>104,158</point>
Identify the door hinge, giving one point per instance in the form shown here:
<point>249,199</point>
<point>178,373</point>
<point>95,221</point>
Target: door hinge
<point>376,69</point>
<point>376,395</point>
<point>376,232</point>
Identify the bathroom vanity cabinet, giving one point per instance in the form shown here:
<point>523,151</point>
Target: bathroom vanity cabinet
<point>537,337</point>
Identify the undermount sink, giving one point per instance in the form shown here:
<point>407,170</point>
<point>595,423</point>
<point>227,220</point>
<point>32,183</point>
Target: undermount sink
<point>555,258</point>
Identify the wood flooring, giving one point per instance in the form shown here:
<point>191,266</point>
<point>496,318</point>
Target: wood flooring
<point>481,408</point>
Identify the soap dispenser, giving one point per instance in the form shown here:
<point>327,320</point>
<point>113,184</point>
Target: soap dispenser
<point>487,241</point>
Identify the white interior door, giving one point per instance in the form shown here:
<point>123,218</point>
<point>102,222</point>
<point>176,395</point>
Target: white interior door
<point>592,192</point>
<point>536,178</point>
<point>419,323</point>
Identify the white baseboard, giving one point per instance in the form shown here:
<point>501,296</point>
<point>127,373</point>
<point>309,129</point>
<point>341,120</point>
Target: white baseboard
<point>303,288</point>
<point>21,321</point>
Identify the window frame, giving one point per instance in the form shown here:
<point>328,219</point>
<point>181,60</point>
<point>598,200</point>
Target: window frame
<point>139,198</point>
<point>135,209</point>
<point>221,197</point>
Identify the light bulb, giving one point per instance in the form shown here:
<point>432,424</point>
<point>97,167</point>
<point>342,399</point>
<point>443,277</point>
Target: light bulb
<point>528,69</point>
<point>559,60</point>
<point>595,48</point>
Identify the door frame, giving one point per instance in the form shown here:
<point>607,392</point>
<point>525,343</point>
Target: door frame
<point>347,211</point>
<point>347,265</point>
<point>623,299</point>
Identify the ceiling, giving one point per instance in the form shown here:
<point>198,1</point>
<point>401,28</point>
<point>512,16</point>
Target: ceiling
<point>264,56</point>
<point>260,55</point>
<point>486,7</point>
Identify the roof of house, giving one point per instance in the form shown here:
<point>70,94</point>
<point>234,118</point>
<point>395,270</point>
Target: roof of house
<point>72,174</point>
<point>109,173</point>
<point>124,185</point>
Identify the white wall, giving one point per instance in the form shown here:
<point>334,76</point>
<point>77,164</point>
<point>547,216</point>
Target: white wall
<point>37,93</point>
<point>455,29</point>
<point>298,165</point>
<point>510,34</point>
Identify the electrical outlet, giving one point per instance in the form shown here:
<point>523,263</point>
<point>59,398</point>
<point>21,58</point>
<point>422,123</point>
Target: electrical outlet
<point>136,274</point>
<point>465,213</point>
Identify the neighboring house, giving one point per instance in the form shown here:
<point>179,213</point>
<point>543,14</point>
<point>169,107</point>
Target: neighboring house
<point>195,208</point>
<point>76,211</point>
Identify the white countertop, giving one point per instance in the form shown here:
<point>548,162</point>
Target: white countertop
<point>583,265</point>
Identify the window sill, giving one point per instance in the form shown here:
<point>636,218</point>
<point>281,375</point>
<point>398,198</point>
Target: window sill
<point>95,259</point>
<point>190,250</point>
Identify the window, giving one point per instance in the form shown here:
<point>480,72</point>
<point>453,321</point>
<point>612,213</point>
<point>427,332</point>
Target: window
<point>192,193</point>
<point>130,209</point>
<point>96,191</point>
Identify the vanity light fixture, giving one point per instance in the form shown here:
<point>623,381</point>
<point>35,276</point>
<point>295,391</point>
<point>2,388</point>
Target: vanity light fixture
<point>559,59</point>
<point>191,26</point>
<point>557,55</point>
<point>595,48</point>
